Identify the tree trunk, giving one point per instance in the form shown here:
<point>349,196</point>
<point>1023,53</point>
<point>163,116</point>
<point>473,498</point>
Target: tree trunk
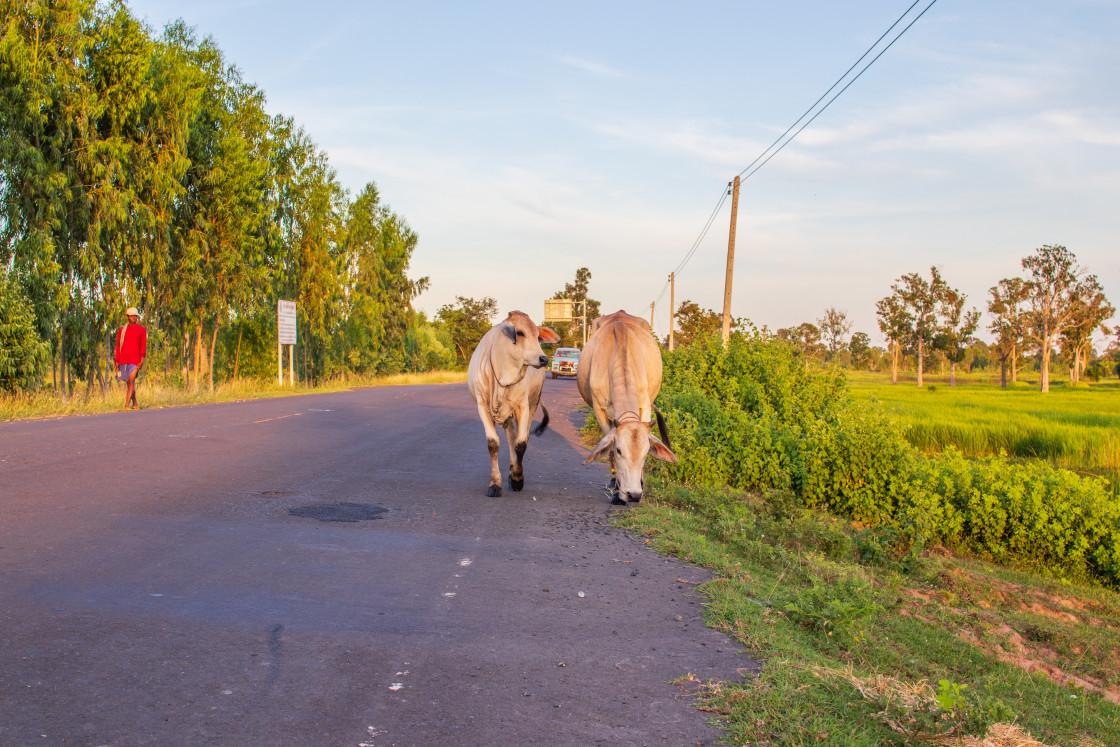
<point>1014,364</point>
<point>63,364</point>
<point>1044,367</point>
<point>952,373</point>
<point>197,357</point>
<point>213,347</point>
<point>921,356</point>
<point>184,360</point>
<point>237,356</point>
<point>895,350</point>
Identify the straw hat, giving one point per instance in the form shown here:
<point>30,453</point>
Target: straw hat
<point>131,311</point>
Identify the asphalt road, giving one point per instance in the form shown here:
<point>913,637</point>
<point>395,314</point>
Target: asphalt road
<point>155,587</point>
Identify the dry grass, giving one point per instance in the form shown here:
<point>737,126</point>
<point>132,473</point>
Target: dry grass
<point>154,394</point>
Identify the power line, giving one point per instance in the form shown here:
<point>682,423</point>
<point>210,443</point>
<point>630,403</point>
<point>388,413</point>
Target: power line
<point>838,80</point>
<point>752,168</point>
<point>845,88</point>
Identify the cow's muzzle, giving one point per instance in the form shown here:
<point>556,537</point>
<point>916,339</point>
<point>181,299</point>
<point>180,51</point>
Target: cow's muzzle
<point>634,497</point>
<point>542,361</point>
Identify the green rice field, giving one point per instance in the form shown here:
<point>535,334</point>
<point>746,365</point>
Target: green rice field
<point>1073,427</point>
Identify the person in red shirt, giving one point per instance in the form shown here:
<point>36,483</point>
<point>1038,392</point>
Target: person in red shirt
<point>132,346</point>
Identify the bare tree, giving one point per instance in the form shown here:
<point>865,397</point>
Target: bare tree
<point>1056,284</point>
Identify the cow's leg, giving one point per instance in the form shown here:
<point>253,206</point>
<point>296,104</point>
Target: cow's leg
<point>517,446</point>
<point>495,488</point>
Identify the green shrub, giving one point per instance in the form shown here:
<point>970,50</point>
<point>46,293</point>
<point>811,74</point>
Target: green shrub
<point>750,417</point>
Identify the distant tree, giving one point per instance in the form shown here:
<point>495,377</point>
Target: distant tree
<point>466,321</point>
<point>860,348</point>
<point>1056,285</point>
<point>696,325</point>
<point>1006,304</point>
<point>922,298</point>
<point>572,333</point>
<point>956,328</point>
<point>834,327</point>
<point>895,322</point>
<point>1091,310</point>
<point>806,337</point>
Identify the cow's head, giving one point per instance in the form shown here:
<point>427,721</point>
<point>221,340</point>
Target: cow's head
<point>627,445</point>
<point>519,347</point>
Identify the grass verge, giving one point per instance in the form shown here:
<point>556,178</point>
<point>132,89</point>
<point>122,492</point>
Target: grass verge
<point>153,395</point>
<point>865,646</point>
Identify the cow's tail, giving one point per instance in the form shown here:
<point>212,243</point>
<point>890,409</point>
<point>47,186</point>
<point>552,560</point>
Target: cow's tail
<point>661,427</point>
<point>544,422</point>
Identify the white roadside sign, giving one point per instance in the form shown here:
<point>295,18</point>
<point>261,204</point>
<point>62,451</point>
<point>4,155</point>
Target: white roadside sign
<point>286,321</point>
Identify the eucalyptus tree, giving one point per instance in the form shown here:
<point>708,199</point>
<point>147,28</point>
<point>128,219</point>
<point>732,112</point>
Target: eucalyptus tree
<point>956,328</point>
<point>921,298</point>
<point>218,232</point>
<point>1091,310</point>
<point>46,107</point>
<point>896,323</point>
<point>1006,304</point>
<point>378,312</point>
<point>1055,284</point>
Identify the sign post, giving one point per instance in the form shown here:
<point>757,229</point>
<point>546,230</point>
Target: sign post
<point>286,335</point>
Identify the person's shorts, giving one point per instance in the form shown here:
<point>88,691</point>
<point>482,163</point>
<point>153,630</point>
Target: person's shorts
<point>124,371</point>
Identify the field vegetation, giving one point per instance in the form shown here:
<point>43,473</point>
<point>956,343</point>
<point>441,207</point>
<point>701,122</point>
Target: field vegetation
<point>1077,427</point>
<point>900,594</point>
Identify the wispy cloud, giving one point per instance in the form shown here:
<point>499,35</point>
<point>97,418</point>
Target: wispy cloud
<point>590,66</point>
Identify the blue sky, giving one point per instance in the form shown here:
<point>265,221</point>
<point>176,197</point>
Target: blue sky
<point>524,140</point>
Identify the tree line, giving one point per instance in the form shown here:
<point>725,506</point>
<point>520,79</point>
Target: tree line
<point>142,169</point>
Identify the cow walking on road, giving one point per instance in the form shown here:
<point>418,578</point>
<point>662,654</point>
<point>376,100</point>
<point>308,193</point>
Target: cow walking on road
<point>505,377</point>
<point>620,376</point>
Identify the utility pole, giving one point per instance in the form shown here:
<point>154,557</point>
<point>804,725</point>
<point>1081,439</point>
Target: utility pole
<point>730,263</point>
<point>651,305</point>
<point>672,307</point>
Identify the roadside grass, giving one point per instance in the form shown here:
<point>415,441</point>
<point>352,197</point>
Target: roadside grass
<point>1073,427</point>
<point>865,645</point>
<point>48,403</point>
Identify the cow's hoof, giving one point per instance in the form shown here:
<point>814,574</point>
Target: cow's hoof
<point>516,484</point>
<point>495,491</point>
<point>617,501</point>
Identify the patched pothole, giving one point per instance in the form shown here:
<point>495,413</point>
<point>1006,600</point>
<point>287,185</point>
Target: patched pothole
<point>348,512</point>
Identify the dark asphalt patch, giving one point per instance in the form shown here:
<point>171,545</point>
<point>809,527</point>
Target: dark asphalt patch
<point>349,512</point>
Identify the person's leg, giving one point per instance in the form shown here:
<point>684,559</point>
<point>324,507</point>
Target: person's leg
<point>132,389</point>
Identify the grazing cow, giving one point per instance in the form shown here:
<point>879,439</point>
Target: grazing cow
<point>619,376</point>
<point>505,378</point>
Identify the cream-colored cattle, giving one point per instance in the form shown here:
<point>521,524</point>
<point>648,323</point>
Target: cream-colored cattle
<point>619,376</point>
<point>505,377</point>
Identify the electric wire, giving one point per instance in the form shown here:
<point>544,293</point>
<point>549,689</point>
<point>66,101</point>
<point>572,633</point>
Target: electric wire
<point>752,168</point>
<point>838,81</point>
<point>838,93</point>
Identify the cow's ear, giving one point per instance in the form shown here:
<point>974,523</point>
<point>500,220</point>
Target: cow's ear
<point>546,335</point>
<point>511,332</point>
<point>604,445</point>
<point>660,450</point>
